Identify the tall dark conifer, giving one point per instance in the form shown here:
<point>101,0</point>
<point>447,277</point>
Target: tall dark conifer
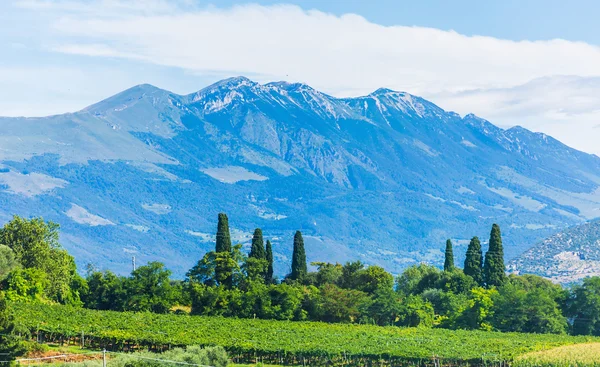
<point>449,257</point>
<point>474,261</point>
<point>269,256</point>
<point>299,268</point>
<point>493,268</point>
<point>223,268</point>
<point>223,237</point>
<point>257,250</point>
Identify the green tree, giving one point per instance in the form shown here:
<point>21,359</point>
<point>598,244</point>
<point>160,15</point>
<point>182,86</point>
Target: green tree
<point>225,269</point>
<point>204,271</point>
<point>106,291</point>
<point>299,268</point>
<point>35,246</point>
<point>32,240</point>
<point>218,268</point>
<point>149,289</point>
<point>415,311</point>
<point>269,256</point>
<point>8,262</point>
<point>584,307</point>
<point>342,305</point>
<point>10,344</point>
<point>374,278</point>
<point>257,250</point>
<point>454,281</point>
<point>448,256</point>
<point>286,302</point>
<point>493,269</point>
<point>474,261</point>
<point>223,243</point>
<point>223,256</point>
<point>479,308</point>
<point>215,301</point>
<point>326,273</point>
<point>255,269</point>
<point>446,305</point>
<point>384,308</point>
<point>26,285</point>
<point>256,301</point>
<point>350,274</point>
<point>417,278</point>
<point>530,311</point>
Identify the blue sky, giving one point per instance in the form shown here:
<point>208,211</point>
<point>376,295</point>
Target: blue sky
<point>531,63</point>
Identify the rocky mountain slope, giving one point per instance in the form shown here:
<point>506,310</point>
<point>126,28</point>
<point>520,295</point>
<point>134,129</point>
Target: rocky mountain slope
<point>566,257</point>
<point>384,178</point>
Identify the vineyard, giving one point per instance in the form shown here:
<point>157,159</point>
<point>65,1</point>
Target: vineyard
<point>281,342</point>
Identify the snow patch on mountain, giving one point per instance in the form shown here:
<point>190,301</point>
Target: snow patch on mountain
<point>436,198</point>
<point>467,143</point>
<point>205,237</point>
<point>138,227</point>
<point>29,184</point>
<point>524,201</point>
<point>464,206</point>
<point>533,226</point>
<point>157,208</point>
<point>465,190</point>
<point>461,205</point>
<point>588,203</point>
<point>426,148</point>
<point>233,174</point>
<point>267,214</point>
<point>156,170</point>
<point>80,215</point>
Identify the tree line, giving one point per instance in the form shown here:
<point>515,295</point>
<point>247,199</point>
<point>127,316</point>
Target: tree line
<point>229,282</point>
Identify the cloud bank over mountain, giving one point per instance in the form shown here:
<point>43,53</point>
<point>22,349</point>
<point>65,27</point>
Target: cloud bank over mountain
<point>514,82</point>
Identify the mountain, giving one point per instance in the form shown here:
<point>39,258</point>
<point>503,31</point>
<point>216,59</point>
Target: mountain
<point>566,257</point>
<point>384,178</point>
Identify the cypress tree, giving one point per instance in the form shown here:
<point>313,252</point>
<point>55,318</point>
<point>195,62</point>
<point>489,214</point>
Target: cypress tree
<point>269,256</point>
<point>474,261</point>
<point>299,268</point>
<point>257,250</point>
<point>223,237</point>
<point>223,268</point>
<point>449,257</point>
<point>493,268</point>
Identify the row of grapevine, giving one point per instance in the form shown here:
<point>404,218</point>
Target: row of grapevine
<point>281,342</point>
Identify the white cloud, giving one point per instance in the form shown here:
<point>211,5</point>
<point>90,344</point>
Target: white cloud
<point>342,55</point>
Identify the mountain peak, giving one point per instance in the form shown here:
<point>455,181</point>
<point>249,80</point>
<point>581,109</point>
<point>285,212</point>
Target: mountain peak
<point>225,89</point>
<point>291,87</point>
<point>232,83</point>
<point>384,91</point>
<point>473,119</point>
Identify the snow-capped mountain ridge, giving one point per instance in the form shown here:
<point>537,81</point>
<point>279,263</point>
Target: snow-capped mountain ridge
<point>219,95</point>
<point>384,178</point>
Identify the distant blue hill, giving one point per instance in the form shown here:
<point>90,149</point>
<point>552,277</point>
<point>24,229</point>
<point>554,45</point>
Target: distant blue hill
<point>383,178</point>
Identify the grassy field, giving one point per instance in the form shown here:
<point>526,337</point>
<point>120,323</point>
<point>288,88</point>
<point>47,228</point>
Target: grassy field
<point>578,355</point>
<point>280,342</point>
